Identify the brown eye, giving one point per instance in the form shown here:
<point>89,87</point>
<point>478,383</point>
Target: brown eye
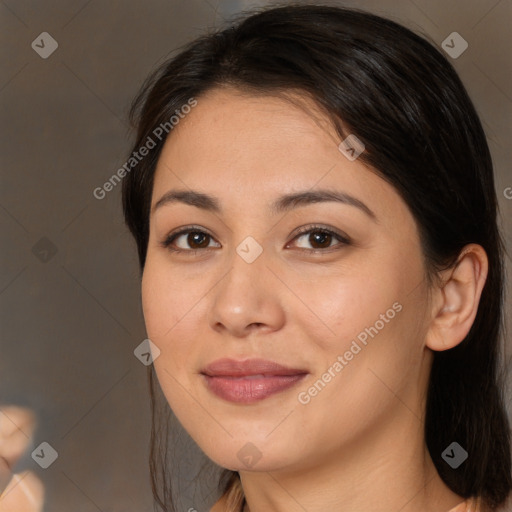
<point>320,239</point>
<point>196,237</point>
<point>192,240</point>
<point>187,240</point>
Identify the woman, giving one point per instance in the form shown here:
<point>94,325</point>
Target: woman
<point>313,203</point>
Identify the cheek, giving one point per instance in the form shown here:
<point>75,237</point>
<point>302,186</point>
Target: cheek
<point>174,313</point>
<point>157,304</point>
<point>375,358</point>
<point>164,308</point>
<point>168,315</point>
<point>345,305</point>
<point>373,314</point>
<point>165,299</point>
<point>156,309</point>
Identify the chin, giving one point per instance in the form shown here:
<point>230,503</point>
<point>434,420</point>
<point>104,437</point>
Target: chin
<point>248,454</point>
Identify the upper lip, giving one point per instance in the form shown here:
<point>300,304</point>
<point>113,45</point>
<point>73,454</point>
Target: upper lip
<point>232,368</point>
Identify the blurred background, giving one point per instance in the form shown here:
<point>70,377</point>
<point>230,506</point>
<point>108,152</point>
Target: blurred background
<point>69,280</point>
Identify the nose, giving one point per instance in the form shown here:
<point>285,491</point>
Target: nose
<point>247,299</point>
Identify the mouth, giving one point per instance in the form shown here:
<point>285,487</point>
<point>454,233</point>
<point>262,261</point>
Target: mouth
<point>249,381</point>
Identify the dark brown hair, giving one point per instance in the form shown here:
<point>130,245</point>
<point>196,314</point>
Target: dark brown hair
<point>400,96</point>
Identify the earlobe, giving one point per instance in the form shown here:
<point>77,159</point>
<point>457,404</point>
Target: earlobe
<point>458,299</point>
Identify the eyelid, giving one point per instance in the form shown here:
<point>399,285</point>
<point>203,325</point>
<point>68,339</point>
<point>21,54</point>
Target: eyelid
<point>342,237</point>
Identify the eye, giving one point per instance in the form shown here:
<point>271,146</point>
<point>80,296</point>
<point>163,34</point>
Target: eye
<point>321,238</point>
<point>196,239</point>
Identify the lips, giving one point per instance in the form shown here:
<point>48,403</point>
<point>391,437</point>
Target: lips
<point>233,368</point>
<point>251,380</point>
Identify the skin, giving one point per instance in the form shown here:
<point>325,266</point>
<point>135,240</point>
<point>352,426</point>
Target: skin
<point>19,491</point>
<point>358,444</point>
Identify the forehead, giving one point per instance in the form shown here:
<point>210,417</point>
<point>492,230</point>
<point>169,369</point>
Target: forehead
<point>249,147</point>
<point>236,125</point>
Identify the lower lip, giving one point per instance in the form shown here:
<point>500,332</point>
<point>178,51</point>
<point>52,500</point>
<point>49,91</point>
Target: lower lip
<point>245,390</point>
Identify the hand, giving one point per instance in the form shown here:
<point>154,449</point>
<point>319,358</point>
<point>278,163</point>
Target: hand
<point>21,492</point>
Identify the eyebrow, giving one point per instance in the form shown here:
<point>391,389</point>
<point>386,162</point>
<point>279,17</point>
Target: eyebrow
<point>282,204</point>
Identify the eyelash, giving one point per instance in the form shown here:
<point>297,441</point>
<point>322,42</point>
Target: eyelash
<point>345,240</point>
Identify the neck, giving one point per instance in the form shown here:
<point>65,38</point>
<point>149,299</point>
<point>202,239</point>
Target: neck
<point>388,469</point>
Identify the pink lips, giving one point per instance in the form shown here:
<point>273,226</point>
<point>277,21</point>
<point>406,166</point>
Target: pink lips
<point>250,380</point>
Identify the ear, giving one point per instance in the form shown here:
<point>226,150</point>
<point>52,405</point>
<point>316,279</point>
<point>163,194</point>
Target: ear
<point>455,302</point>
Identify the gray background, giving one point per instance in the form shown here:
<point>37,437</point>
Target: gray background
<point>69,325</point>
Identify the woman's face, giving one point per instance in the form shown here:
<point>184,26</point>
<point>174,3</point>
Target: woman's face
<point>346,313</point>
